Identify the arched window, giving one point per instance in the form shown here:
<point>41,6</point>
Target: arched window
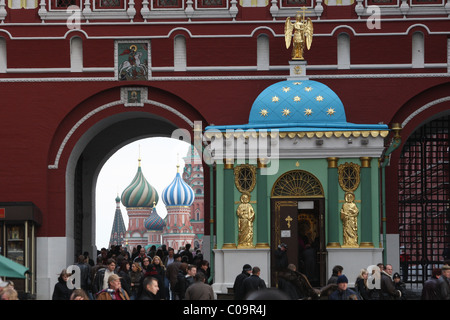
<point>343,51</point>
<point>418,50</point>
<point>76,54</point>
<point>297,183</point>
<point>179,54</point>
<point>3,64</point>
<point>262,51</point>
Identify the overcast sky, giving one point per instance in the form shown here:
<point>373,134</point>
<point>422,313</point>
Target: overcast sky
<point>158,163</point>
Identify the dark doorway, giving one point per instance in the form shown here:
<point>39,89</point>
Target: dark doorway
<point>299,224</point>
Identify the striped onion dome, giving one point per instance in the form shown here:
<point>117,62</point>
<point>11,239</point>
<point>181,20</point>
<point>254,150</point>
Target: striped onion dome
<point>140,193</point>
<point>178,193</point>
<point>154,222</point>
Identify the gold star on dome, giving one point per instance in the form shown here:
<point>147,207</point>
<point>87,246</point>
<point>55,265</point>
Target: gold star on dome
<point>297,83</point>
<point>297,98</point>
<point>286,89</point>
<point>330,111</point>
<point>263,112</point>
<point>319,98</point>
<point>275,99</point>
<point>308,89</point>
<point>286,112</point>
<point>308,112</point>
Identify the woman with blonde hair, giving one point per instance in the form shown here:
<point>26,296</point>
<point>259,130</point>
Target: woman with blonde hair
<point>158,271</point>
<point>361,285</point>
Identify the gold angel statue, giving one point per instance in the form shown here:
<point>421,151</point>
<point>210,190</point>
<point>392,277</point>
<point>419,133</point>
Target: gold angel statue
<point>303,34</point>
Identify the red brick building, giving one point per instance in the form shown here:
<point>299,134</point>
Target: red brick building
<point>78,84</point>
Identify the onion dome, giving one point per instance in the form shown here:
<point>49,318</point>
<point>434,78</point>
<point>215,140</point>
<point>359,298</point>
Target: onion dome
<point>140,193</point>
<point>154,222</point>
<point>298,102</point>
<point>178,193</point>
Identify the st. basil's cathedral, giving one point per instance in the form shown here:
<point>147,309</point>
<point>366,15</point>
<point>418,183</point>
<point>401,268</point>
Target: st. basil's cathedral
<point>183,223</point>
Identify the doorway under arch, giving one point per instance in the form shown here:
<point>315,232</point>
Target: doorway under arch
<point>298,217</point>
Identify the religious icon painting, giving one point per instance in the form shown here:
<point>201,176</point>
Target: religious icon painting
<point>133,96</point>
<point>132,60</point>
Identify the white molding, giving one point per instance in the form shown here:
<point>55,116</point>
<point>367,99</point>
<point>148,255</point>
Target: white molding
<point>104,107</point>
<point>423,108</point>
<point>233,78</point>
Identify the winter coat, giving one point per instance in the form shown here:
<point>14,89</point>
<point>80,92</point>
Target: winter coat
<point>444,288</point>
<point>107,294</point>
<point>238,287</point>
<point>253,283</point>
<point>199,291</point>
<point>61,290</point>
<point>362,289</point>
<point>347,294</point>
<point>430,290</point>
<point>388,291</point>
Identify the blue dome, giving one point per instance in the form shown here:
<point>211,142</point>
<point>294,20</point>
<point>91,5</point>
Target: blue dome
<point>154,222</point>
<point>178,193</point>
<point>297,102</point>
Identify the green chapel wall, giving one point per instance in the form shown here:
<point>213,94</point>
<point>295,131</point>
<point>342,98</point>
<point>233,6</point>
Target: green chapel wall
<point>318,168</point>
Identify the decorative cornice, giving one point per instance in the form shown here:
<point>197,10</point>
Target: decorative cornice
<point>299,134</point>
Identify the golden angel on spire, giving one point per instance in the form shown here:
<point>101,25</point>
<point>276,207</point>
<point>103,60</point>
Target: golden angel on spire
<point>303,34</point>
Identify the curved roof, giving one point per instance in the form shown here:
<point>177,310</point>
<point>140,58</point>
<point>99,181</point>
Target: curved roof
<point>140,193</point>
<point>154,222</point>
<point>178,193</point>
<point>298,102</point>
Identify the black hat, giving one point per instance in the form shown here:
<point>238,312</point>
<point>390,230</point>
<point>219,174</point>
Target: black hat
<point>342,279</point>
<point>247,267</point>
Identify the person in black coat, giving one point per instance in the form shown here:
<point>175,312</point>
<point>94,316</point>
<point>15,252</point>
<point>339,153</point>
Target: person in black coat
<point>61,290</point>
<point>150,289</point>
<point>254,282</point>
<point>238,288</point>
<point>281,259</point>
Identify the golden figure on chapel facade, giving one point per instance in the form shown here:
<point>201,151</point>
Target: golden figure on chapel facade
<point>349,217</point>
<point>303,34</point>
<point>246,216</point>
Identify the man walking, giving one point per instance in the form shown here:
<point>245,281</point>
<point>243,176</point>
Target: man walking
<point>254,282</point>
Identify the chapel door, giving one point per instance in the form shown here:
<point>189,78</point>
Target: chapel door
<point>297,214</point>
<point>284,230</point>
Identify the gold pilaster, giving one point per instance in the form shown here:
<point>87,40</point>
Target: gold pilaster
<point>365,162</point>
<point>333,245</point>
<point>332,162</point>
<point>228,163</point>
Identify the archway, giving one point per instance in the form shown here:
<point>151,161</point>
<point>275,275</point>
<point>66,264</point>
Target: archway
<point>423,186</point>
<point>86,138</point>
<point>297,215</point>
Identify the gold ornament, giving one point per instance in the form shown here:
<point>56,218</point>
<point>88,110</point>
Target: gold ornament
<point>303,34</point>
<point>246,216</point>
<point>349,217</point>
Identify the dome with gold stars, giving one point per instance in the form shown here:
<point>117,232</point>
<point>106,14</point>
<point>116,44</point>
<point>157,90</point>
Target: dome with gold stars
<point>297,102</point>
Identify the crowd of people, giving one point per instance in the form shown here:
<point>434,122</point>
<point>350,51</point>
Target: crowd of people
<point>389,285</point>
<point>156,274</point>
<point>160,274</point>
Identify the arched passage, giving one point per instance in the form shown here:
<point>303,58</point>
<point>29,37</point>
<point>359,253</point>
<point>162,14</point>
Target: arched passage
<point>85,140</point>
